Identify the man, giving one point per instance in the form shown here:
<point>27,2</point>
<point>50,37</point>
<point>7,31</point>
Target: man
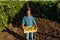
<point>28,21</point>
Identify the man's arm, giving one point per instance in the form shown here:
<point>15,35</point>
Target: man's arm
<point>23,22</point>
<point>35,24</point>
<point>23,26</point>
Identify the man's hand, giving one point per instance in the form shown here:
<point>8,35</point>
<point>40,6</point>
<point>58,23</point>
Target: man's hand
<point>36,26</point>
<point>23,26</point>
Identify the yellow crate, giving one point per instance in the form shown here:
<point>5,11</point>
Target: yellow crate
<point>30,29</point>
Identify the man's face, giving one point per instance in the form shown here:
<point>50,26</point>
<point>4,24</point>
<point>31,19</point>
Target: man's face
<point>28,13</point>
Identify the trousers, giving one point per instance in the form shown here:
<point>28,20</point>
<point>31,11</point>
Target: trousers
<point>29,36</point>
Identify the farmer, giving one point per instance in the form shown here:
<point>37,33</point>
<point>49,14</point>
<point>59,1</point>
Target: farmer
<point>27,22</point>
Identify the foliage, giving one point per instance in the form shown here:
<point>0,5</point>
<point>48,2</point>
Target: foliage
<point>8,9</point>
<point>47,9</point>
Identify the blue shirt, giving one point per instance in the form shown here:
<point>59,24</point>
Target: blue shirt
<point>28,21</point>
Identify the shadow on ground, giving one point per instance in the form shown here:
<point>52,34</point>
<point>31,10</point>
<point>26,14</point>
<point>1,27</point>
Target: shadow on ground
<point>17,36</point>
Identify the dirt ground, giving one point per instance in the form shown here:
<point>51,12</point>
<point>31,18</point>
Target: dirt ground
<point>47,30</point>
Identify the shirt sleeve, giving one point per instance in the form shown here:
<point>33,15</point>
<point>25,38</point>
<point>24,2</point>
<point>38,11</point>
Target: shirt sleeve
<point>23,20</point>
<point>34,20</point>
